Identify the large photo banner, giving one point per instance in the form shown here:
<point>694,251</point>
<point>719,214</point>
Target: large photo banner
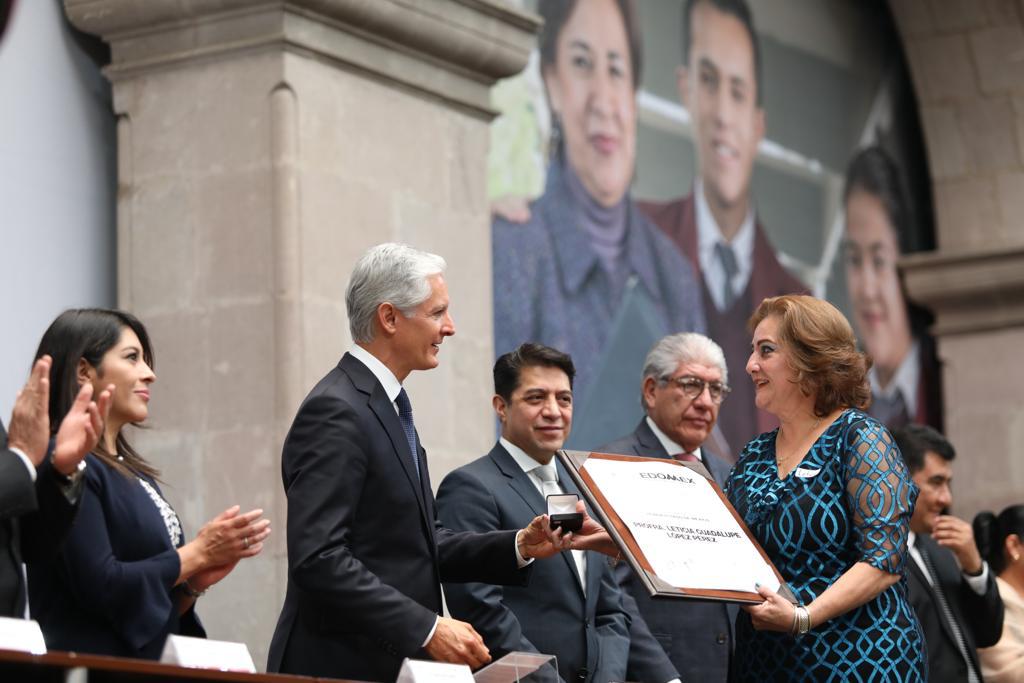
<point>663,166</point>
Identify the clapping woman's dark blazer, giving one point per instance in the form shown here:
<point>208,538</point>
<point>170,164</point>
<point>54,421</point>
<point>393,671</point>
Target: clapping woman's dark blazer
<point>112,588</point>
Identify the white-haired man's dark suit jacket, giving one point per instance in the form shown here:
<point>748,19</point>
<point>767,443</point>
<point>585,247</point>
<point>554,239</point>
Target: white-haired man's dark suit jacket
<point>588,633</point>
<point>366,555</point>
<point>674,639</point>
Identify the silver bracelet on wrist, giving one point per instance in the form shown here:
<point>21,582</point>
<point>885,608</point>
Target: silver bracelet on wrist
<point>801,620</point>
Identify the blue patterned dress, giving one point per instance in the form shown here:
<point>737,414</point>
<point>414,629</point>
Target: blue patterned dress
<point>849,500</point>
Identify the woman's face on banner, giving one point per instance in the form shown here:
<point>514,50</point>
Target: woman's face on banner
<point>879,309</point>
<point>590,88</point>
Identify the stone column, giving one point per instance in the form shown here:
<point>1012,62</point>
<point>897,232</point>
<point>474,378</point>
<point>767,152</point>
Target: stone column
<point>262,147</point>
<point>967,61</point>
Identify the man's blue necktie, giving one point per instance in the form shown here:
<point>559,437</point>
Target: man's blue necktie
<point>405,417</point>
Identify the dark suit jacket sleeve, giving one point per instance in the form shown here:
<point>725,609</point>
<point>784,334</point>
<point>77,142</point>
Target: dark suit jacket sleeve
<point>982,613</point>
<point>647,658</point>
<point>465,504</point>
<point>43,531</point>
<point>133,597</point>
<point>17,492</point>
<point>325,462</point>
<point>611,621</point>
<point>45,514</point>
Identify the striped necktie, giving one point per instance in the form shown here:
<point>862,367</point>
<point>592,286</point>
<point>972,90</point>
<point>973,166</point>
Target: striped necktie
<point>947,612</point>
<point>548,476</point>
<point>727,257</point>
<point>405,417</point>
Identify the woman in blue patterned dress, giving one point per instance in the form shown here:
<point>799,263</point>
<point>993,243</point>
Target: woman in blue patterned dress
<point>829,499</point>
<point>125,577</point>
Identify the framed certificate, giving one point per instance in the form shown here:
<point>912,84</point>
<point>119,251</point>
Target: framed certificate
<point>675,527</point>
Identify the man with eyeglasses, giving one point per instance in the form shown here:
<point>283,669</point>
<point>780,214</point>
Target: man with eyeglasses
<point>685,380</point>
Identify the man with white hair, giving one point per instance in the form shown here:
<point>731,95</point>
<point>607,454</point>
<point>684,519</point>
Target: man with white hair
<point>685,380</point>
<point>366,556</point>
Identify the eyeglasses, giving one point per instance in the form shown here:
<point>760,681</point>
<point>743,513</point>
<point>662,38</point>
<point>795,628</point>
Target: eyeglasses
<point>694,386</point>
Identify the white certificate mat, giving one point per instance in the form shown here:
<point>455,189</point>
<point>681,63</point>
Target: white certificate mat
<point>676,516</point>
<point>675,527</point>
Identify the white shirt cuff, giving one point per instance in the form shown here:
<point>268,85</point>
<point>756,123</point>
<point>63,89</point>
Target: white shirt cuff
<point>431,634</point>
<point>24,459</point>
<point>675,680</point>
<point>520,560</point>
<point>978,583</point>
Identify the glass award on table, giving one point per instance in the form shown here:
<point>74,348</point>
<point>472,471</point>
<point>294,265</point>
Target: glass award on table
<point>528,667</point>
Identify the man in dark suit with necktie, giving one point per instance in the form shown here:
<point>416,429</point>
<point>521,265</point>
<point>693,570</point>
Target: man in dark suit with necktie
<point>366,555</point>
<point>40,487</point>
<point>951,588</point>
<point>572,608</point>
<point>684,382</point>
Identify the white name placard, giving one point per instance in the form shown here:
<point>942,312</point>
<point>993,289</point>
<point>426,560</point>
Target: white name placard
<point>200,653</point>
<point>22,635</point>
<point>422,671</point>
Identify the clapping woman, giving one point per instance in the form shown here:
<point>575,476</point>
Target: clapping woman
<point>125,577</point>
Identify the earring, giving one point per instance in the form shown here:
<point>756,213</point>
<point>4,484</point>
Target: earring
<point>1016,557</point>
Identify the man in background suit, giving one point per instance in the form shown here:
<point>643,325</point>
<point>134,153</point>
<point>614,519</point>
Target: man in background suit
<point>366,555</point>
<point>715,225</point>
<point>572,608</point>
<point>951,588</point>
<point>684,383</point>
<point>40,488</point>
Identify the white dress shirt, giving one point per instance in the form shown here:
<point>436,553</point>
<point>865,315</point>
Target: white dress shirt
<point>708,235</point>
<point>387,379</point>
<point>977,583</point>
<point>905,380</point>
<point>529,466</point>
<point>670,446</point>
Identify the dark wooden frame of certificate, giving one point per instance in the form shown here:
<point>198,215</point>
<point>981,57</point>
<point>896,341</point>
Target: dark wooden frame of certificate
<point>623,538</point>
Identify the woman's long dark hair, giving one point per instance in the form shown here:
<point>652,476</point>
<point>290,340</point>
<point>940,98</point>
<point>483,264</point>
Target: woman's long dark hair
<point>990,534</point>
<point>87,334</point>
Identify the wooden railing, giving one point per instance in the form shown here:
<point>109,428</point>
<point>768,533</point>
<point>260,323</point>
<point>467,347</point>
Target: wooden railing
<point>70,667</point>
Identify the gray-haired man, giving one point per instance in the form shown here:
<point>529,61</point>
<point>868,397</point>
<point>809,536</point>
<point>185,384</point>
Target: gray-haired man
<point>365,553</point>
<point>684,383</point>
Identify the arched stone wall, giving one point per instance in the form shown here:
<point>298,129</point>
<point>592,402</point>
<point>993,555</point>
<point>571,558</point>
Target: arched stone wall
<point>967,61</point>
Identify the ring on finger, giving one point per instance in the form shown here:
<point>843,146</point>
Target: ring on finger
<point>245,540</point>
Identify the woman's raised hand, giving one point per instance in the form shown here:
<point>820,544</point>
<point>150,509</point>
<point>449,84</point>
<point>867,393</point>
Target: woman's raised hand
<point>220,544</point>
<point>231,536</point>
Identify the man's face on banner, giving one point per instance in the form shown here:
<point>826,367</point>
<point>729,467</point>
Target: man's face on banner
<point>719,88</point>
<point>879,309</point>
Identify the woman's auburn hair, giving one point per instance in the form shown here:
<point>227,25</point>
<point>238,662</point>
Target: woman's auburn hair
<point>822,350</point>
